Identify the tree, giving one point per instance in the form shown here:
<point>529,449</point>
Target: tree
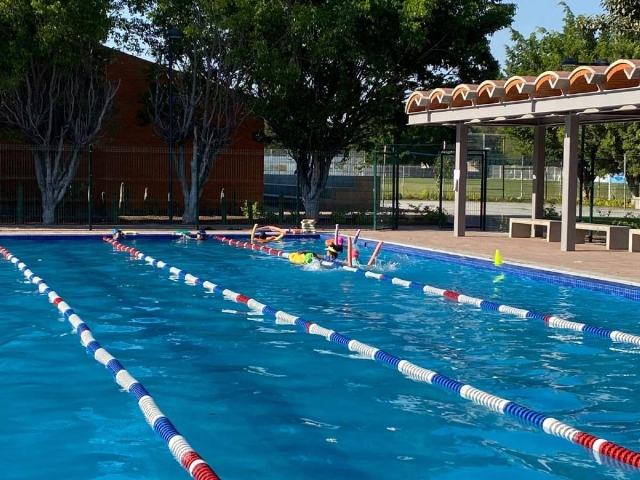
<point>54,88</point>
<point>580,40</point>
<point>622,15</point>
<point>209,103</point>
<point>326,76</point>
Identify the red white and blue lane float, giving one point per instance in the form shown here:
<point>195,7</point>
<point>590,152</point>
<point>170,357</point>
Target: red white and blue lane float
<point>181,450</point>
<point>551,321</point>
<point>548,425</point>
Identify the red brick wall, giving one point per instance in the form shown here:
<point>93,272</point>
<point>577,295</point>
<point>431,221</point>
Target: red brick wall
<point>129,152</point>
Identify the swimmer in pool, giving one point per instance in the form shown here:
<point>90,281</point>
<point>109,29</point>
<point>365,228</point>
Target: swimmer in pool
<point>262,238</point>
<point>118,234</point>
<point>355,258</point>
<point>201,235</point>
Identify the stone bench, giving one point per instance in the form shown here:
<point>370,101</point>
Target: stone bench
<point>634,240</point>
<point>524,227</point>
<point>617,235</point>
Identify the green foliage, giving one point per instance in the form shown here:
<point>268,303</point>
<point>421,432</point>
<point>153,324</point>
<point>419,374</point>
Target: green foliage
<point>551,213</point>
<point>629,220</point>
<point>54,32</point>
<point>327,76</point>
<point>544,50</point>
<point>426,215</point>
<point>248,207</point>
<point>338,216</point>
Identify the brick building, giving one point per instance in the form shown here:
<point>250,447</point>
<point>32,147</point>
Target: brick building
<point>130,166</point>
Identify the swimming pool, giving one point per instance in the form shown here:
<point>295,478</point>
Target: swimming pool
<point>263,400</point>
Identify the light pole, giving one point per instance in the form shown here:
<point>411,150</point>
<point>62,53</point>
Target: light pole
<point>172,34</point>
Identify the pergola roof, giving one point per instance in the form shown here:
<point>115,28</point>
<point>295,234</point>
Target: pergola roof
<point>598,94</point>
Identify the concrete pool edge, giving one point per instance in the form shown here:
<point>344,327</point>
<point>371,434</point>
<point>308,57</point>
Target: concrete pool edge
<point>571,278</point>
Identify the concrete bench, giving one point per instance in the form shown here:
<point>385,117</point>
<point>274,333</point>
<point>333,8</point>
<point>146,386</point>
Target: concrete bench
<point>634,240</point>
<point>524,227</point>
<point>617,235</point>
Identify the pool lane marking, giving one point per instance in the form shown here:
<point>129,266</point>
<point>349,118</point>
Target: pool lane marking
<point>181,450</point>
<point>497,404</point>
<point>551,321</point>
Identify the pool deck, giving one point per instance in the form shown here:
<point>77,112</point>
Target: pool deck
<point>591,260</point>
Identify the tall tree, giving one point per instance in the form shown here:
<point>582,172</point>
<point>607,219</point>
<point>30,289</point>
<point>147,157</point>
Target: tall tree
<point>581,40</point>
<point>54,90</point>
<point>326,76</point>
<point>209,102</point>
<point>621,15</point>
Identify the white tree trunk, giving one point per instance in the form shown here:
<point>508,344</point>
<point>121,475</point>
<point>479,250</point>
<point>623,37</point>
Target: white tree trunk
<point>190,208</point>
<point>48,209</point>
<point>311,207</point>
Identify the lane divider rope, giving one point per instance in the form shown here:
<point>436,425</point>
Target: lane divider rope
<point>551,321</point>
<point>549,425</point>
<point>181,450</point>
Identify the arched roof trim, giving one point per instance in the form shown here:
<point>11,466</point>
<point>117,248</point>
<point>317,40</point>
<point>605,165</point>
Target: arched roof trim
<point>516,92</point>
<point>523,85</point>
<point>418,101</point>
<point>552,80</point>
<point>440,98</point>
<point>631,69</point>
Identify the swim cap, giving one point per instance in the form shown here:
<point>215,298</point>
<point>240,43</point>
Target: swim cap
<point>308,258</point>
<point>115,230</point>
<point>340,241</point>
<point>355,253</point>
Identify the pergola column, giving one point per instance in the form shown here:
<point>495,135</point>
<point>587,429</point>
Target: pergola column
<point>537,193</point>
<point>460,180</point>
<point>537,188</point>
<point>569,183</point>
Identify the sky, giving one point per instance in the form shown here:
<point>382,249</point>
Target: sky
<point>532,14</point>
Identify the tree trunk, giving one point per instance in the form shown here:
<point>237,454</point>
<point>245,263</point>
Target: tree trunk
<point>313,172</point>
<point>48,209</point>
<point>312,207</point>
<point>190,208</point>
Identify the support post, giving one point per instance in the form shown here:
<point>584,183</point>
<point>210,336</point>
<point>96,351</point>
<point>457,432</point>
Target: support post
<point>537,185</point>
<point>569,187</point>
<point>537,193</point>
<point>460,180</point>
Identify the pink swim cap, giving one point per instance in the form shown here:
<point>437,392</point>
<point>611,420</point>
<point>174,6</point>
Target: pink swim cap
<point>340,241</point>
<point>355,253</point>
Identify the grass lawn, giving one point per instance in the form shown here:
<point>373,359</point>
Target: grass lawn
<point>497,189</point>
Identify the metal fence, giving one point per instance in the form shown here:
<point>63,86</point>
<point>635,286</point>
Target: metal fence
<point>130,186</point>
<point>125,186</point>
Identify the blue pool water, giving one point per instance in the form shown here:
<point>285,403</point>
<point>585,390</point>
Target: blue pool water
<point>259,400</point>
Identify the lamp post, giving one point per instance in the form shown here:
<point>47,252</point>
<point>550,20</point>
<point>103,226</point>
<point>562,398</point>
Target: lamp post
<point>173,33</point>
<point>571,62</point>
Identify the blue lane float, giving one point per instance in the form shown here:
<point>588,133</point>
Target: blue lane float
<point>497,404</point>
<point>181,450</point>
<point>551,321</point>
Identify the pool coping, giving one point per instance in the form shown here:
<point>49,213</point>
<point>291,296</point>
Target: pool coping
<point>618,287</point>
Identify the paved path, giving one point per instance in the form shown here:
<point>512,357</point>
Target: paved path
<point>588,259</point>
<point>515,209</point>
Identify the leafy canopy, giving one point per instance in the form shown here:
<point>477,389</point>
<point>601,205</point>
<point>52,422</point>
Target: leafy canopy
<point>49,31</point>
<point>544,50</point>
<point>327,75</point>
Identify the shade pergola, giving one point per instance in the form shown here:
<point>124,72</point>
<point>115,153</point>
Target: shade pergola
<point>586,95</point>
